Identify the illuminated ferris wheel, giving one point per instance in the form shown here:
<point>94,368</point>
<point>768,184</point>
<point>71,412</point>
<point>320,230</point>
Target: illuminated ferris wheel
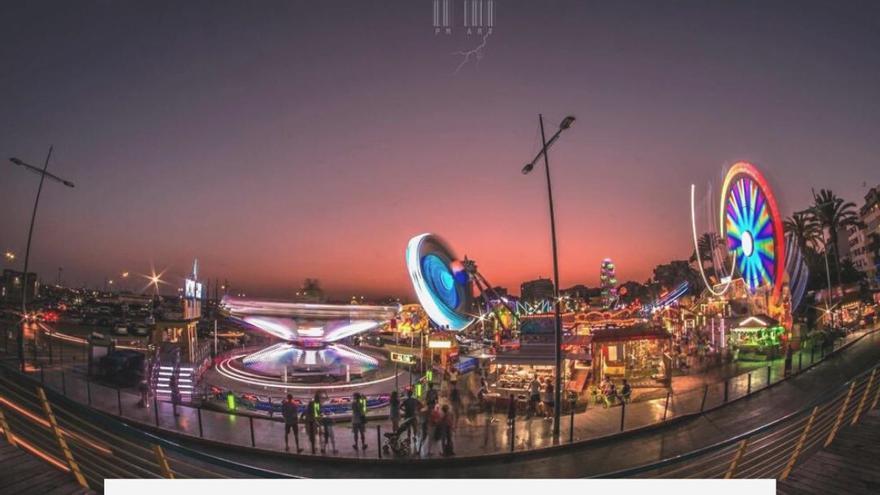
<point>751,227</point>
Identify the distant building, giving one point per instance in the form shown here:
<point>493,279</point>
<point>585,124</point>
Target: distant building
<point>10,286</point>
<point>537,290</point>
<point>864,243</point>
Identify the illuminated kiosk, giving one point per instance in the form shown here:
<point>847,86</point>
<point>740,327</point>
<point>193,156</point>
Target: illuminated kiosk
<point>308,346</point>
<point>756,338</point>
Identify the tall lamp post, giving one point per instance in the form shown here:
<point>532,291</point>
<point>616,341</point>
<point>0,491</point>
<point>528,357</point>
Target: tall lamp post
<point>27,253</point>
<point>557,399</point>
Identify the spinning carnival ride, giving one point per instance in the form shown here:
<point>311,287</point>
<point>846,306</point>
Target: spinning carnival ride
<point>307,345</point>
<point>751,228</point>
<point>444,284</point>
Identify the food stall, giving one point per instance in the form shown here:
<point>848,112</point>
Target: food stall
<point>639,354</point>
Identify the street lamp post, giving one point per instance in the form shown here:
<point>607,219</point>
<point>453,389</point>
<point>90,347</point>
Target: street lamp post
<point>557,399</point>
<point>27,253</point>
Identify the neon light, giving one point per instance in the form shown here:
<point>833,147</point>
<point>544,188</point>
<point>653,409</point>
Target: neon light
<point>439,344</point>
<point>230,401</point>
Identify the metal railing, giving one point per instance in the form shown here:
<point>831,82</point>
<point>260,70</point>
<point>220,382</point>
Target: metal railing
<point>92,446</point>
<point>773,450</point>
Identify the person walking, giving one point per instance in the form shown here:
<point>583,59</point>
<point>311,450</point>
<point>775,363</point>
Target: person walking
<point>534,397</point>
<point>410,408</point>
<point>291,422</point>
<point>431,397</point>
<point>549,398</point>
<point>359,420</point>
<point>455,399</point>
<point>435,431</point>
<point>329,436</point>
<point>394,411</point>
<point>448,425</point>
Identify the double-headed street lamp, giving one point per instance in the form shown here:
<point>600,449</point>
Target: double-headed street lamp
<point>27,252</point>
<point>565,124</point>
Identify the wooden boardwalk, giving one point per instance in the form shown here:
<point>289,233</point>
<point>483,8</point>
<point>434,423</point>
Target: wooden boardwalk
<point>21,472</point>
<point>850,465</point>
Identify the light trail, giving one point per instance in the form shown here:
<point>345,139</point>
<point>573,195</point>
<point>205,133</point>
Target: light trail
<point>45,424</point>
<point>228,371</point>
<point>697,251</point>
<point>33,449</point>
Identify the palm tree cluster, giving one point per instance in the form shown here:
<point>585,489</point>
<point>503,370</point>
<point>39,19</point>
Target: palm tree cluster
<point>816,230</point>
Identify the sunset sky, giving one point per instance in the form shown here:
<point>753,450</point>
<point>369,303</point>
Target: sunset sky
<point>282,140</point>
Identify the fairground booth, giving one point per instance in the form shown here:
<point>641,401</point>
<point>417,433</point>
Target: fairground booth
<point>640,354</point>
<point>756,338</point>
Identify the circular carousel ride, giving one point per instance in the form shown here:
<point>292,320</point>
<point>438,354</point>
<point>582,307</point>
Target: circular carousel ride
<point>306,345</point>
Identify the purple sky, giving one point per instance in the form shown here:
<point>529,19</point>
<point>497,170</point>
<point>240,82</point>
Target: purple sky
<point>280,140</point>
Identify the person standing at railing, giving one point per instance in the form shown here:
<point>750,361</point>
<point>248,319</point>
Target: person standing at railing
<point>359,420</point>
<point>312,417</point>
<point>291,422</point>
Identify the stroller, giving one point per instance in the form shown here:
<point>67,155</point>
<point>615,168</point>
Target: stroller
<point>396,442</point>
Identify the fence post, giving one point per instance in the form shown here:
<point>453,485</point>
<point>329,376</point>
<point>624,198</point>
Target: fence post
<point>156,410</point>
<point>876,399</point>
<point>749,388</point>
<point>800,445</point>
<point>726,389</point>
<point>812,353</point>
<point>68,455</point>
<point>511,430</point>
<point>119,401</point>
<point>199,412</point>
<point>769,372</point>
<point>571,422</point>
<point>864,397</point>
<point>731,471</point>
<point>253,440</point>
<point>379,440</point>
<point>800,358</point>
<point>162,460</point>
<point>6,430</point>
<point>833,432</point>
<point>666,406</point>
<point>705,393</point>
<point>622,414</point>
<point>89,391</point>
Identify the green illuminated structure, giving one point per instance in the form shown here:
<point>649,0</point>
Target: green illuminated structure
<point>756,338</point>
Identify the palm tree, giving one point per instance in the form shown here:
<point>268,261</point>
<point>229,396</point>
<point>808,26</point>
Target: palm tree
<point>834,214</point>
<point>805,229</point>
<point>707,244</point>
